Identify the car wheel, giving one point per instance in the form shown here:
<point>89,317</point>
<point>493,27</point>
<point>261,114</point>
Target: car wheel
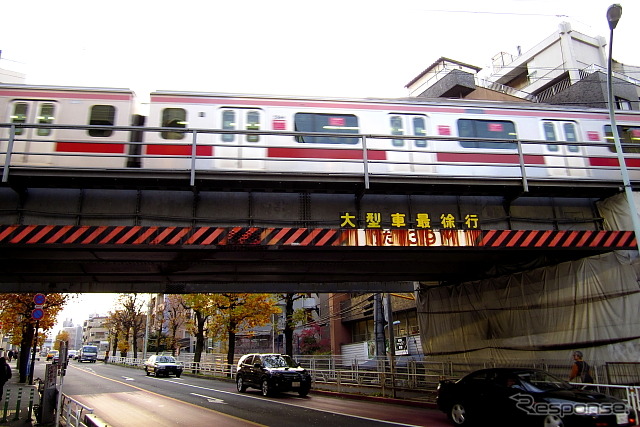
<point>240,385</point>
<point>266,390</point>
<point>178,375</point>
<point>553,421</point>
<point>303,391</point>
<point>458,414</point>
<point>156,373</point>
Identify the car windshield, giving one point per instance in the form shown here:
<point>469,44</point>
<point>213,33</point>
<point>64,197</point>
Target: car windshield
<point>278,361</point>
<point>166,359</point>
<point>539,381</point>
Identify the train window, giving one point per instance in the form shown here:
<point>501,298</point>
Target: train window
<point>419,129</point>
<point>550,135</point>
<point>570,135</point>
<point>253,123</point>
<point>102,115</point>
<point>568,132</point>
<point>397,129</point>
<point>174,118</point>
<point>628,135</point>
<point>20,111</point>
<point>500,131</point>
<point>228,123</point>
<point>416,126</point>
<point>46,117</point>
<point>333,123</point>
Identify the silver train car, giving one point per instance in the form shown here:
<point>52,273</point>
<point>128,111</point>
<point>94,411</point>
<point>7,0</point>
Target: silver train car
<point>99,128</point>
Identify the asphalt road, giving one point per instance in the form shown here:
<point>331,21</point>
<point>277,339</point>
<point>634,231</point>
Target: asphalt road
<point>124,396</point>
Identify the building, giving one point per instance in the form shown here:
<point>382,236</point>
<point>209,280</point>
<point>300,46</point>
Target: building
<point>95,332</point>
<point>75,334</point>
<point>567,67</point>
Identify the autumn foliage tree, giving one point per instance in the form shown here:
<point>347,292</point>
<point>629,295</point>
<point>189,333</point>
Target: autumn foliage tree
<point>176,317</point>
<point>291,318</point>
<point>133,319</point>
<point>16,317</point>
<point>115,324</point>
<point>239,312</point>
<point>203,307</point>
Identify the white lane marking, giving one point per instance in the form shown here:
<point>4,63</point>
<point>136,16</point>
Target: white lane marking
<point>210,399</point>
<point>292,404</point>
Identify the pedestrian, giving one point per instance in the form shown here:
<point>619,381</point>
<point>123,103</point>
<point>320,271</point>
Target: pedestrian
<point>10,356</point>
<point>580,370</point>
<point>5,374</point>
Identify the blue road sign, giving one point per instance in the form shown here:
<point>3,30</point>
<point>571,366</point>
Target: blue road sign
<point>39,299</point>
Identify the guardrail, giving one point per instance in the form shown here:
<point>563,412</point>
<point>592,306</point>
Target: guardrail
<point>74,413</point>
<point>364,165</point>
<point>372,377</point>
<point>412,379</point>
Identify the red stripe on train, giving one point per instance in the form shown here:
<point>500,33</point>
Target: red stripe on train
<point>179,150</point>
<point>325,153</point>
<point>612,161</point>
<point>89,147</point>
<point>489,158</point>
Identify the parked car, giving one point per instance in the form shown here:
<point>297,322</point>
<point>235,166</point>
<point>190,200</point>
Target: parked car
<point>272,373</point>
<point>163,365</point>
<point>512,396</point>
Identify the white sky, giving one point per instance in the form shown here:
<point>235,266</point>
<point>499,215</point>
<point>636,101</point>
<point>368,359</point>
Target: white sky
<point>337,48</point>
<point>79,308</point>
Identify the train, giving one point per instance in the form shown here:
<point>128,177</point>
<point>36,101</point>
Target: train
<point>79,127</point>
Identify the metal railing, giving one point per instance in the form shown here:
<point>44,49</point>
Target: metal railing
<point>412,379</point>
<point>396,162</point>
<point>73,413</point>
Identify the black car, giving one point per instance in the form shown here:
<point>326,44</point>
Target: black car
<point>531,397</point>
<point>272,373</point>
<point>163,365</point>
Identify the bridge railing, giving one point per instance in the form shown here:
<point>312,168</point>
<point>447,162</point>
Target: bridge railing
<point>436,156</point>
<point>412,379</point>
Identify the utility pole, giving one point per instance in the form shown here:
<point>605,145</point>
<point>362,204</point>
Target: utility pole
<point>378,321</point>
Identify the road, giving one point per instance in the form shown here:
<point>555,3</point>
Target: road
<point>124,396</point>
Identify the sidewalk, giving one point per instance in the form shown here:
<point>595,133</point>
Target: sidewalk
<point>14,392</point>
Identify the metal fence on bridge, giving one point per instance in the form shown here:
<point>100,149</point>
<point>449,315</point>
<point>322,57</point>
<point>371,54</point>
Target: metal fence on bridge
<point>563,159</point>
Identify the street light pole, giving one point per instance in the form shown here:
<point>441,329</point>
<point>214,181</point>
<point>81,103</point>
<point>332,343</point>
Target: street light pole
<point>613,16</point>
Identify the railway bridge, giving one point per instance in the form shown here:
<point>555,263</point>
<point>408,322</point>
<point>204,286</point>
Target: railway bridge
<point>135,230</point>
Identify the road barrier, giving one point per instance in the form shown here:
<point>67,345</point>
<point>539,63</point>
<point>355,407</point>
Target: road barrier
<point>11,409</point>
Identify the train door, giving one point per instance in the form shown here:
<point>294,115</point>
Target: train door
<point>240,151</point>
<point>563,160</point>
<point>33,145</point>
<point>409,155</point>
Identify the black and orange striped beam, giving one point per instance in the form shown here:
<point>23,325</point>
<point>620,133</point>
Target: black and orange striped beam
<point>315,237</point>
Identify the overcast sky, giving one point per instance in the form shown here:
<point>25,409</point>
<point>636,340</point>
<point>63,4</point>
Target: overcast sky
<point>342,48</point>
<point>337,48</point>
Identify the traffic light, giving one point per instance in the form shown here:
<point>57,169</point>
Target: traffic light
<point>367,309</point>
